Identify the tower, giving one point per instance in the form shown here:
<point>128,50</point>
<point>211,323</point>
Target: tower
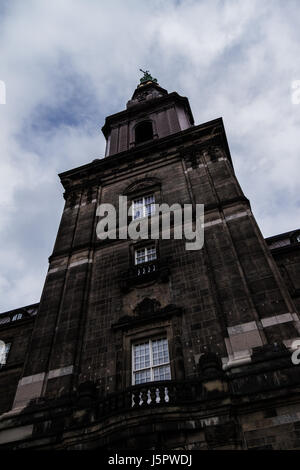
<point>191,346</point>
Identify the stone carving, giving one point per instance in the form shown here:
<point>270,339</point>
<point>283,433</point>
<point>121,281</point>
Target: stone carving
<point>210,365</point>
<point>147,307</point>
<point>142,96</point>
<point>143,184</point>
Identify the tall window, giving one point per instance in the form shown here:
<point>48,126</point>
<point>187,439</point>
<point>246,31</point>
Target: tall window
<point>143,132</point>
<point>4,351</point>
<point>150,361</point>
<point>143,255</point>
<point>143,206</point>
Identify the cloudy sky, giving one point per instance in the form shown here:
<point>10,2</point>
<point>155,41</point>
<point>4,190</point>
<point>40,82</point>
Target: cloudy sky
<point>69,63</point>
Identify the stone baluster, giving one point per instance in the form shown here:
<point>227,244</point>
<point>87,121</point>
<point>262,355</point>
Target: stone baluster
<point>161,391</point>
<point>144,396</point>
<point>153,395</point>
<point>136,398</point>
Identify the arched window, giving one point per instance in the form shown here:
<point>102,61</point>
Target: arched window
<point>143,132</point>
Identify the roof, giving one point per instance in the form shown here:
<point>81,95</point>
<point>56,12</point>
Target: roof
<point>20,313</point>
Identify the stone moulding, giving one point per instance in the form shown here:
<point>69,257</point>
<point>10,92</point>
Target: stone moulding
<point>127,321</point>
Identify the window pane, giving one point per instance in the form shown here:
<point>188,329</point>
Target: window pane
<point>162,373</point>
<point>140,256</point>
<point>160,352</point>
<point>151,253</point>
<point>138,208</point>
<point>149,205</point>
<point>151,361</point>
<point>141,356</point>
<point>143,207</point>
<point>142,377</point>
<point>149,199</point>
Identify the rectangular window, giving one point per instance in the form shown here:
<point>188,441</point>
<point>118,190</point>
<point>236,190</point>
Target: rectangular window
<point>151,361</point>
<point>143,255</point>
<point>143,207</point>
<point>4,351</point>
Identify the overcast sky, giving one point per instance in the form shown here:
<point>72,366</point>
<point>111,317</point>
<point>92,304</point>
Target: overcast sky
<point>69,63</point>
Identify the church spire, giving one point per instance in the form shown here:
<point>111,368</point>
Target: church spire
<point>151,113</point>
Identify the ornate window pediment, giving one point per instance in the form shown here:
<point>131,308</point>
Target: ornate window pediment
<point>148,310</point>
<point>144,185</point>
<point>147,307</point>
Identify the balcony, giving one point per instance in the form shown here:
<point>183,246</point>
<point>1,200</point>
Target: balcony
<point>145,269</point>
<point>148,395</point>
<point>144,273</point>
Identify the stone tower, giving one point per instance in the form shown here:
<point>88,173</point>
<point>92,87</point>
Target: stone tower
<point>145,328</point>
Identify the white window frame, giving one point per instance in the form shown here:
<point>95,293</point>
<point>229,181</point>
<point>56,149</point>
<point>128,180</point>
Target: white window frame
<point>142,207</point>
<point>151,365</point>
<point>146,251</point>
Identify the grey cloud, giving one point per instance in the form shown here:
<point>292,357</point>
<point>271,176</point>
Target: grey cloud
<point>67,64</point>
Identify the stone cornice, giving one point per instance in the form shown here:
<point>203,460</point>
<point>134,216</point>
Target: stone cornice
<point>213,130</point>
<point>171,98</point>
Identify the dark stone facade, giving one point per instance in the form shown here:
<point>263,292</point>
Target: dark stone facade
<point>228,311</point>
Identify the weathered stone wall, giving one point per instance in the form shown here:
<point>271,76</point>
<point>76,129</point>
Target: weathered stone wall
<point>230,292</point>
<point>18,334</point>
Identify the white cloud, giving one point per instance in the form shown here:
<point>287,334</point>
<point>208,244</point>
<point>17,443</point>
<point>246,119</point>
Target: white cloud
<point>67,64</point>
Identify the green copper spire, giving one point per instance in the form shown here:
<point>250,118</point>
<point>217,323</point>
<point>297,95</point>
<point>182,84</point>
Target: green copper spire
<point>147,77</point>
